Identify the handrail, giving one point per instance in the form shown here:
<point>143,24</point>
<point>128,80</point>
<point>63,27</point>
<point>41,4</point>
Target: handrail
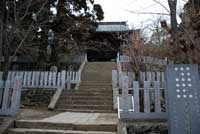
<point>132,99</point>
<point>80,71</point>
<point>118,107</point>
<point>119,69</point>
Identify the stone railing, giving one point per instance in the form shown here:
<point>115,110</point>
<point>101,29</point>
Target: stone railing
<point>128,96</point>
<point>44,79</point>
<point>145,60</point>
<point>48,79</point>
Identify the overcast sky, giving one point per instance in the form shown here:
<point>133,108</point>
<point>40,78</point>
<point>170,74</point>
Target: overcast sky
<point>117,10</point>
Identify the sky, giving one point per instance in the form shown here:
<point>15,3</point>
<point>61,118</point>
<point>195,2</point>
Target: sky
<point>119,10</point>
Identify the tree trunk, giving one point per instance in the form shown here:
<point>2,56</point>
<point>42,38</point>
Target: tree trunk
<point>1,41</point>
<point>1,31</point>
<point>5,44</point>
<point>172,6</point>
<point>6,55</point>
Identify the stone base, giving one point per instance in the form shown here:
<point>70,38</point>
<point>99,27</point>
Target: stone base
<point>142,128</point>
<point>148,129</point>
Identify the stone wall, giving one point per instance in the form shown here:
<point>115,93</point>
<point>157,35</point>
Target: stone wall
<point>142,128</point>
<point>146,129</point>
<point>36,97</point>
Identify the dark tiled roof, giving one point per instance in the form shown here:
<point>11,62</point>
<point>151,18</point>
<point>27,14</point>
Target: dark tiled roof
<point>113,27</point>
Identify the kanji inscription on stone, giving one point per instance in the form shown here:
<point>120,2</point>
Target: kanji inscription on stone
<point>183,99</point>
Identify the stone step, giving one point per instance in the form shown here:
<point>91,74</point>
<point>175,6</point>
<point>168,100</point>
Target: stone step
<point>87,93</point>
<point>88,107</point>
<point>92,89</point>
<point>86,110</point>
<point>95,87</point>
<point>96,83</point>
<point>5,123</point>
<point>92,98</point>
<point>65,126</point>
<point>49,131</point>
<point>86,102</point>
<point>86,97</point>
<point>1,121</point>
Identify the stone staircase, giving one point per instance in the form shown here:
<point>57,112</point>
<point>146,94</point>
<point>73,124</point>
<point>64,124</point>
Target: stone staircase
<point>97,74</point>
<point>95,93</point>
<point>88,110</point>
<point>87,100</point>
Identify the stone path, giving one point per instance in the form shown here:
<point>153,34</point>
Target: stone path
<point>68,123</point>
<point>83,118</point>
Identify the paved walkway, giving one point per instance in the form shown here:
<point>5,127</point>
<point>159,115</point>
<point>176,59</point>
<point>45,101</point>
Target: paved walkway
<point>81,118</point>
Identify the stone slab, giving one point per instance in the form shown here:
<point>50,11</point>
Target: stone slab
<point>183,99</point>
<point>83,118</point>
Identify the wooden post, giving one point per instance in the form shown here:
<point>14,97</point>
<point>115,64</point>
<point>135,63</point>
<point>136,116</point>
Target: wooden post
<point>130,76</point>
<point>5,104</point>
<point>63,78</point>
<point>25,79</point>
<point>125,86</point>
<point>114,87</point>
<point>54,79</point>
<point>114,78</point>
<point>37,79</point>
<point>158,76</point>
<point>148,74</point>
<point>153,76</point>
<point>157,96</point>
<point>143,76</point>
<point>58,80</point>
<point>69,75</point>
<point>73,77</point>
<point>1,75</point>
<point>146,97</point>
<point>115,95</point>
<point>162,79</point>
<point>50,79</point>
<point>21,74</point>
<point>13,76</point>
<point>136,96</point>
<point>29,78</point>
<point>9,75</point>
<point>118,57</point>
<point>41,79</point>
<point>86,59</point>
<point>45,79</point>
<point>16,95</point>
<point>78,79</point>
<point>33,79</point>
<point>1,90</point>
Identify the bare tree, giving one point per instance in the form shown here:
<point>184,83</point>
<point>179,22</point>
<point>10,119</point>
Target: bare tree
<point>17,26</point>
